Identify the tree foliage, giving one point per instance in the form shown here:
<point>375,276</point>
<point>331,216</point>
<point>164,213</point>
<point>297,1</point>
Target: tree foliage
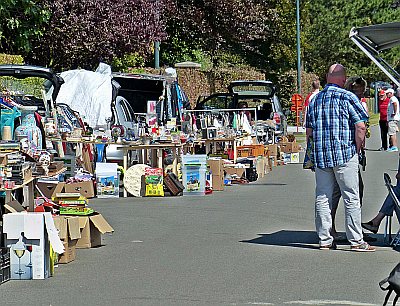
<point>21,21</point>
<point>82,33</point>
<point>330,25</point>
<point>215,27</point>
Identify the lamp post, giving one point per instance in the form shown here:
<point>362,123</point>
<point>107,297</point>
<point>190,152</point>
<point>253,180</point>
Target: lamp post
<point>157,55</point>
<point>298,46</point>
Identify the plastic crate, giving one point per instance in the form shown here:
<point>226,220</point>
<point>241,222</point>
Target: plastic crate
<point>250,150</point>
<point>5,269</point>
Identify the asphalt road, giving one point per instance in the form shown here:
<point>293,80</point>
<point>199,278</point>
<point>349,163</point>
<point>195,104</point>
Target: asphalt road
<point>252,244</point>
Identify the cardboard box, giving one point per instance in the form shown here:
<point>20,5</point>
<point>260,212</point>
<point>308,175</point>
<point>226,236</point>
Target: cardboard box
<point>28,235</point>
<point>216,166</point>
<point>273,150</point>
<point>69,253</point>
<point>84,188</point>
<point>237,171</point>
<point>49,188</point>
<point>69,232</point>
<point>289,147</point>
<point>92,227</point>
<point>218,182</point>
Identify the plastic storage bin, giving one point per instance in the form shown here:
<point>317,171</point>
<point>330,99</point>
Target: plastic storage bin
<point>194,180</point>
<point>195,159</point>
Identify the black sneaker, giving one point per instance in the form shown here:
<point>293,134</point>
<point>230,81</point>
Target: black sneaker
<point>369,226</point>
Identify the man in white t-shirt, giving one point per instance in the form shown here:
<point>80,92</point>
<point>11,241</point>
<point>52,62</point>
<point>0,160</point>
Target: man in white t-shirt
<point>393,117</point>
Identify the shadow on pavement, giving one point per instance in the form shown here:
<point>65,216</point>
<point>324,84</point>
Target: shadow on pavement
<point>301,239</point>
<point>266,184</point>
<point>297,239</point>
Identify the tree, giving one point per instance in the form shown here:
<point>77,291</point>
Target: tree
<point>83,33</point>
<point>216,27</point>
<point>330,25</point>
<point>21,21</point>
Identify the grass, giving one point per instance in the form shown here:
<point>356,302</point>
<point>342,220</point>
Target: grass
<point>373,119</point>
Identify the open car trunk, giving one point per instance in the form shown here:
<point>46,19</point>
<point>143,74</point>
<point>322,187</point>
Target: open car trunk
<point>376,38</point>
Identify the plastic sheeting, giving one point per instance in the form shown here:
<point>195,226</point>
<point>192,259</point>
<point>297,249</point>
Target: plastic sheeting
<point>89,93</point>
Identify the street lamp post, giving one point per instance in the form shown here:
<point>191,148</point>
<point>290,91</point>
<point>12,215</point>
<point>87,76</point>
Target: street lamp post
<point>298,46</point>
<point>157,55</point>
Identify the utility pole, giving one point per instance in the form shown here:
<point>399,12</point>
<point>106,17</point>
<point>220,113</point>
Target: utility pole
<point>298,46</point>
<point>157,54</point>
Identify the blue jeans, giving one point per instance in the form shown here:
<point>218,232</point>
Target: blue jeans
<point>388,205</point>
<point>346,176</point>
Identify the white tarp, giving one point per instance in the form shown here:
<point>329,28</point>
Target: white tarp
<point>88,93</point>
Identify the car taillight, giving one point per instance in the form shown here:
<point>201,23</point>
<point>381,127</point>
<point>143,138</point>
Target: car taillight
<point>277,118</point>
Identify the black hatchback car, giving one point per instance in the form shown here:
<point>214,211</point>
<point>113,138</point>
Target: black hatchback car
<point>256,94</point>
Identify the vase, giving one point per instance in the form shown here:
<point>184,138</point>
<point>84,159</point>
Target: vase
<point>28,128</point>
<point>50,127</point>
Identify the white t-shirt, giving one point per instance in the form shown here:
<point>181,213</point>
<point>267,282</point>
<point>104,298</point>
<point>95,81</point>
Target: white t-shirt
<point>390,111</point>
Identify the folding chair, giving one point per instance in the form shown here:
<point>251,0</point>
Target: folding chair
<point>396,240</point>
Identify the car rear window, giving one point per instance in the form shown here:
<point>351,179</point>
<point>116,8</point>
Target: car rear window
<point>253,89</point>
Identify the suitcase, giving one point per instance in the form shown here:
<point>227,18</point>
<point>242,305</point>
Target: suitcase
<point>173,185</point>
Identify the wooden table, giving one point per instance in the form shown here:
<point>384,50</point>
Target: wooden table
<point>211,145</point>
<point>156,156</point>
<point>28,193</point>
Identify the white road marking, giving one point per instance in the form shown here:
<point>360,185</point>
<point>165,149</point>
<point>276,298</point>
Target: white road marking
<point>329,302</point>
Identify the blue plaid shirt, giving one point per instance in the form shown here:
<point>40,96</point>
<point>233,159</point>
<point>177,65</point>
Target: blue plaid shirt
<point>332,116</point>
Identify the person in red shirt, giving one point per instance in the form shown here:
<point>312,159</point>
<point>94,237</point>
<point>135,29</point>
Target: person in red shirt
<point>315,89</point>
<point>383,102</point>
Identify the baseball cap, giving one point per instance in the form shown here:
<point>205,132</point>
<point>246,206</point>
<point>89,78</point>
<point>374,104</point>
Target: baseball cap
<point>390,90</point>
<point>382,92</point>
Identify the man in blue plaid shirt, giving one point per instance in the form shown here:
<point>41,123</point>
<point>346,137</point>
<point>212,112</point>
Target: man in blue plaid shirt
<point>336,123</point>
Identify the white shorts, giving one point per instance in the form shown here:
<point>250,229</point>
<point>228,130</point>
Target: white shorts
<point>393,127</point>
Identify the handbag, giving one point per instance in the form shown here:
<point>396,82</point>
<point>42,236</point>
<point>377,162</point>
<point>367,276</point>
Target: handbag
<point>393,281</point>
<point>308,162</point>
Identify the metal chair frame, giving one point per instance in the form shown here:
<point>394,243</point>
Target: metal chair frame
<point>396,240</point>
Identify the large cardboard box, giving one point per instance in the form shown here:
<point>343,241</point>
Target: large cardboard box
<point>70,252</point>
<point>216,166</point>
<point>28,235</point>
<point>92,227</point>
<point>50,188</point>
<point>69,232</point>
<point>235,171</point>
<point>84,188</point>
<point>289,147</point>
<point>218,182</point>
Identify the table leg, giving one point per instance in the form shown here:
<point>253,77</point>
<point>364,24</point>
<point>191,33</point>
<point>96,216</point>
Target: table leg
<point>159,158</point>
<point>8,196</point>
<point>175,162</point>
<point>29,196</point>
<point>126,152</point>
<point>234,152</point>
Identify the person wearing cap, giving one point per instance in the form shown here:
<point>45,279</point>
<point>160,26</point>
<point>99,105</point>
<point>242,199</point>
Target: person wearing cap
<point>393,117</point>
<point>383,102</point>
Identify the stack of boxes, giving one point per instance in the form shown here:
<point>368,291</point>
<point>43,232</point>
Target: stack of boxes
<point>216,167</point>
<point>72,204</point>
<point>290,152</point>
